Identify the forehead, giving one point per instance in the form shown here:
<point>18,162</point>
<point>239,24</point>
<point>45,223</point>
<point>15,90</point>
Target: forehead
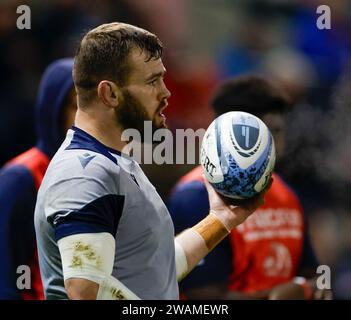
<point>141,68</point>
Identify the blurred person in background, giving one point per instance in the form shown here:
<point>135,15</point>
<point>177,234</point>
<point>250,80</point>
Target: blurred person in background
<point>24,54</point>
<point>262,258</point>
<point>21,177</point>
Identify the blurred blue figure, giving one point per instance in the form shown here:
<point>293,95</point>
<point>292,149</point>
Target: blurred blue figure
<point>328,49</point>
<point>21,177</point>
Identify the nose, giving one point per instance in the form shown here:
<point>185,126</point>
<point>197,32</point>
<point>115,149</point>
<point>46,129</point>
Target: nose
<point>165,92</point>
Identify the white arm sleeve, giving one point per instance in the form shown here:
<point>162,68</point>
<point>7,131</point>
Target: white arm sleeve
<point>91,256</point>
<point>181,261</point>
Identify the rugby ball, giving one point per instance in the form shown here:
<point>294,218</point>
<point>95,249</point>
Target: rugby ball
<point>238,155</point>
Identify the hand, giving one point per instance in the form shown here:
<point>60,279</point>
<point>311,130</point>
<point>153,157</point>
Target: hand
<point>320,294</point>
<point>230,211</point>
<point>293,291</point>
<point>287,291</point>
<point>323,294</point>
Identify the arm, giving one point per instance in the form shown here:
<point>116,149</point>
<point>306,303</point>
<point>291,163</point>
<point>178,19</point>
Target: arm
<point>81,289</point>
<point>87,263</point>
<point>298,289</point>
<point>187,205</point>
<point>109,288</point>
<point>199,240</point>
<point>85,219</point>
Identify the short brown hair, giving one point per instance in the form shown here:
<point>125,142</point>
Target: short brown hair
<point>103,55</point>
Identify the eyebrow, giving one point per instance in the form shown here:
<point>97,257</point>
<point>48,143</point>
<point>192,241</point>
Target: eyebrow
<point>156,75</point>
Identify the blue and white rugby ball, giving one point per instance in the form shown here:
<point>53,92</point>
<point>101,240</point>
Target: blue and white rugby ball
<point>238,155</point>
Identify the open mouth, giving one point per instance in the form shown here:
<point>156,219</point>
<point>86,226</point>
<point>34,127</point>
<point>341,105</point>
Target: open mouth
<point>160,113</point>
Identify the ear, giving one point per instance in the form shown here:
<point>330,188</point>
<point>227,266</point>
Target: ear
<point>108,93</point>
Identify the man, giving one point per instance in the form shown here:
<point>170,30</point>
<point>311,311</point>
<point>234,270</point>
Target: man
<point>20,179</point>
<point>102,230</point>
<point>262,256</point>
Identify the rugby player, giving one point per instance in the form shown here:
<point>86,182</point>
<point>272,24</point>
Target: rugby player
<point>103,232</point>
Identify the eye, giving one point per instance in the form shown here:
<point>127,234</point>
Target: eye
<point>153,82</point>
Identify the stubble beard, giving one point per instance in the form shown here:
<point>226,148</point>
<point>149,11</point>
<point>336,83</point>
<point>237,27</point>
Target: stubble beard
<point>131,114</point>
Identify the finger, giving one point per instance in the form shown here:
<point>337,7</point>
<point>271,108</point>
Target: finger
<point>259,200</point>
<point>265,190</point>
<point>255,201</point>
<point>231,202</point>
<point>318,295</point>
<point>210,190</point>
<point>328,295</point>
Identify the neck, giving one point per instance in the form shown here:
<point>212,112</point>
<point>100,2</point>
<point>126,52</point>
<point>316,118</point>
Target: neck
<point>101,126</point>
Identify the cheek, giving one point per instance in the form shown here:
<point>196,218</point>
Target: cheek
<point>146,97</point>
<point>149,100</point>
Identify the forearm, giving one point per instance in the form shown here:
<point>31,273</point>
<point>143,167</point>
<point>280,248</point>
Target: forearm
<point>199,240</point>
<point>103,287</point>
<point>81,289</point>
<point>192,249</point>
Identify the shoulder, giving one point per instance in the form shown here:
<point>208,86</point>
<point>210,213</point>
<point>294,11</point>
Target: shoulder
<point>84,143</point>
<point>78,180</point>
<point>72,164</point>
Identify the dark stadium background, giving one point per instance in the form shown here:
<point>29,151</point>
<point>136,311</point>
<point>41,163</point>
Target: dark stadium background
<point>207,41</point>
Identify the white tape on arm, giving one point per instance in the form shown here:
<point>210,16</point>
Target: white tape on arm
<point>88,253</point>
<point>180,260</point>
<point>91,256</point>
<point>112,289</point>
<point>198,241</point>
<point>194,248</point>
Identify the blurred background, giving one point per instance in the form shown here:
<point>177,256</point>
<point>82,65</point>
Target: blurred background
<point>205,42</point>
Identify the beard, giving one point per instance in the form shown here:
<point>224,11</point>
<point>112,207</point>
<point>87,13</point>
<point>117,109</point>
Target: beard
<point>132,114</point>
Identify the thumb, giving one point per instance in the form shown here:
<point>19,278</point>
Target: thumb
<point>210,190</point>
